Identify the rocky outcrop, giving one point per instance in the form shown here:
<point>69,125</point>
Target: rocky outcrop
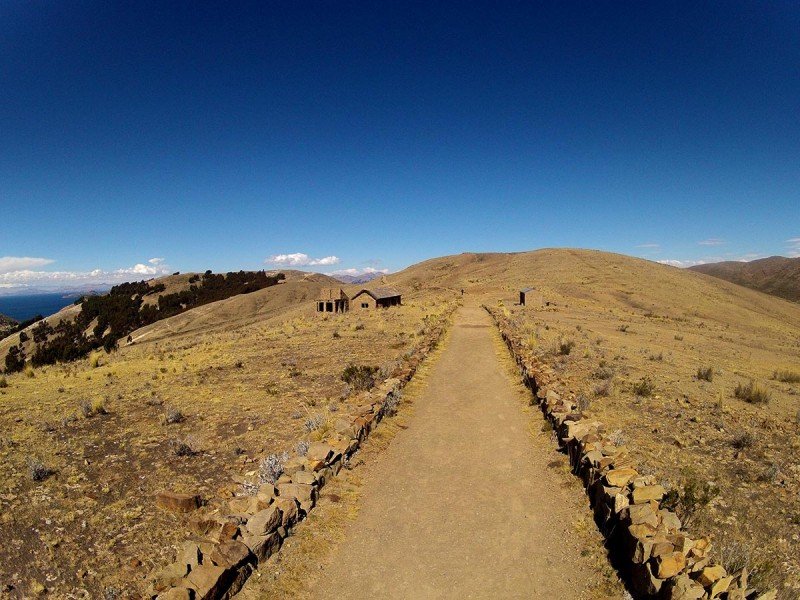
<point>647,543</point>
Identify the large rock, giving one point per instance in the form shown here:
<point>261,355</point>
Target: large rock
<point>669,564</point>
<point>263,546</point>
<point>709,575</point>
<point>209,581</point>
<point>620,477</point>
<point>290,511</point>
<point>647,493</point>
<point>684,588</point>
<point>265,521</point>
<point>176,593</point>
<point>178,502</point>
<point>639,514</point>
<point>230,554</point>
<point>306,495</point>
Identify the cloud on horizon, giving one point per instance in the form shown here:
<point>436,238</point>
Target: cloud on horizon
<point>300,259</point>
<point>10,264</point>
<point>20,273</point>
<point>794,247</point>
<point>356,272</point>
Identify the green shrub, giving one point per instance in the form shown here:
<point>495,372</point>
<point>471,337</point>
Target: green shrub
<point>752,393</point>
<point>565,347</point>
<point>689,500</point>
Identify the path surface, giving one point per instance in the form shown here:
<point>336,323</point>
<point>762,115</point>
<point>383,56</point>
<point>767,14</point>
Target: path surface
<point>462,503</point>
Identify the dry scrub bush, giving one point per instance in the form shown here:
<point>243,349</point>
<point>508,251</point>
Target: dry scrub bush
<point>565,347</point>
<point>787,376</point>
<point>603,389</point>
<point>743,440</point>
<point>644,387</point>
<point>189,446</point>
<point>90,408</point>
<point>37,470</point>
<point>705,373</point>
<point>752,393</point>
<point>3,382</point>
<point>360,377</point>
<point>272,467</point>
<point>688,501</point>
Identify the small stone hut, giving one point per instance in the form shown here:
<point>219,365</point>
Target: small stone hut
<point>333,300</point>
<point>529,296</point>
<point>382,297</point>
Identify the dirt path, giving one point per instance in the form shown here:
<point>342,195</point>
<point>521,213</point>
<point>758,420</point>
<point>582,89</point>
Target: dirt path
<point>462,504</point>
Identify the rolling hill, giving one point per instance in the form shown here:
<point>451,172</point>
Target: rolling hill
<point>776,275</point>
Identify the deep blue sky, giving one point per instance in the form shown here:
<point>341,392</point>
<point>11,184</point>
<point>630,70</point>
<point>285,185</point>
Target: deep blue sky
<point>215,135</point>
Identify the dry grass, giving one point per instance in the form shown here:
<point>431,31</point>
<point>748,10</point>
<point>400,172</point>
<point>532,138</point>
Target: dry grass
<point>746,450</point>
<point>107,433</point>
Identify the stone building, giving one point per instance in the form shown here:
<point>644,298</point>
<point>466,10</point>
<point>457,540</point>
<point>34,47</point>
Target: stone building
<point>382,297</point>
<point>333,300</point>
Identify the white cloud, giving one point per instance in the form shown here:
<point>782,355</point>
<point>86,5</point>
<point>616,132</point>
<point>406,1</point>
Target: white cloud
<point>300,259</point>
<point>794,247</point>
<point>649,246</point>
<point>356,272</point>
<point>712,242</point>
<point>9,264</point>
<point>22,278</point>
<point>156,261</point>
<point>682,264</point>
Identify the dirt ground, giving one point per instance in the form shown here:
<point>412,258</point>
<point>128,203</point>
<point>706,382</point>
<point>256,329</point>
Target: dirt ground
<point>245,390</point>
<point>469,500</point>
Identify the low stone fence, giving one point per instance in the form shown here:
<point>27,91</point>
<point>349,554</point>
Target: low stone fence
<point>231,539</point>
<point>646,543</point>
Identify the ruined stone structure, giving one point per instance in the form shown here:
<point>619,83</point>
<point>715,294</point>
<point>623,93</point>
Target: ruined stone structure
<point>333,300</point>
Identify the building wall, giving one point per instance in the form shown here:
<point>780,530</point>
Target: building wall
<point>358,302</point>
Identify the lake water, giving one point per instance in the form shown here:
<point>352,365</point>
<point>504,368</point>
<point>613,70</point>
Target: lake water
<point>26,307</point>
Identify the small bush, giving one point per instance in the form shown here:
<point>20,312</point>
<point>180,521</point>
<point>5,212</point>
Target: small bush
<point>336,335</point>
<point>302,448</point>
<point>678,338</point>
<point>583,403</point>
<point>29,372</point>
<point>37,470</point>
<point>3,382</point>
<point>752,393</point>
<point>391,403</point>
<point>743,440</point>
<point>360,378</point>
<point>312,423</point>
<point>603,372</point>
<point>360,327</point>
<point>173,415</point>
<point>623,328</point>
<point>94,360</point>
<point>787,376</point>
<point>271,468</point>
<point>603,389</point>
<point>688,501</point>
<point>644,387</point>
<point>565,347</point>
<point>705,373</point>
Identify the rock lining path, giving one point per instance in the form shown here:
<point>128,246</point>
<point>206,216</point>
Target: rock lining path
<point>462,504</point>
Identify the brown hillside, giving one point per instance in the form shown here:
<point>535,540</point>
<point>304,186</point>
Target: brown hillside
<point>776,275</point>
<point>630,337</point>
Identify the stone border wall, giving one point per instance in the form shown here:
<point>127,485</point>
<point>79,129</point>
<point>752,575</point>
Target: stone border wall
<point>646,543</point>
<point>232,539</point>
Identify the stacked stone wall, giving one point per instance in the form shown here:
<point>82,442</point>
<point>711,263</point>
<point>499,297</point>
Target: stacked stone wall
<point>647,543</point>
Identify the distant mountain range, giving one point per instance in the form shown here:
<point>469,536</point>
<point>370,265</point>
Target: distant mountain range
<point>776,275</point>
<point>364,278</point>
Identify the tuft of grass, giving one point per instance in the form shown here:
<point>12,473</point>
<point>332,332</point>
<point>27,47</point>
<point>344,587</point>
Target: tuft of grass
<point>94,360</point>
<point>786,376</point>
<point>752,392</point>
<point>189,446</point>
<point>743,440</point>
<point>90,408</point>
<point>314,422</point>
<point>604,388</point>
<point>583,403</point>
<point>3,382</point>
<point>705,373</point>
<point>29,372</point>
<point>644,387</point>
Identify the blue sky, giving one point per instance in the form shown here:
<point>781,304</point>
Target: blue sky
<point>144,137</point>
